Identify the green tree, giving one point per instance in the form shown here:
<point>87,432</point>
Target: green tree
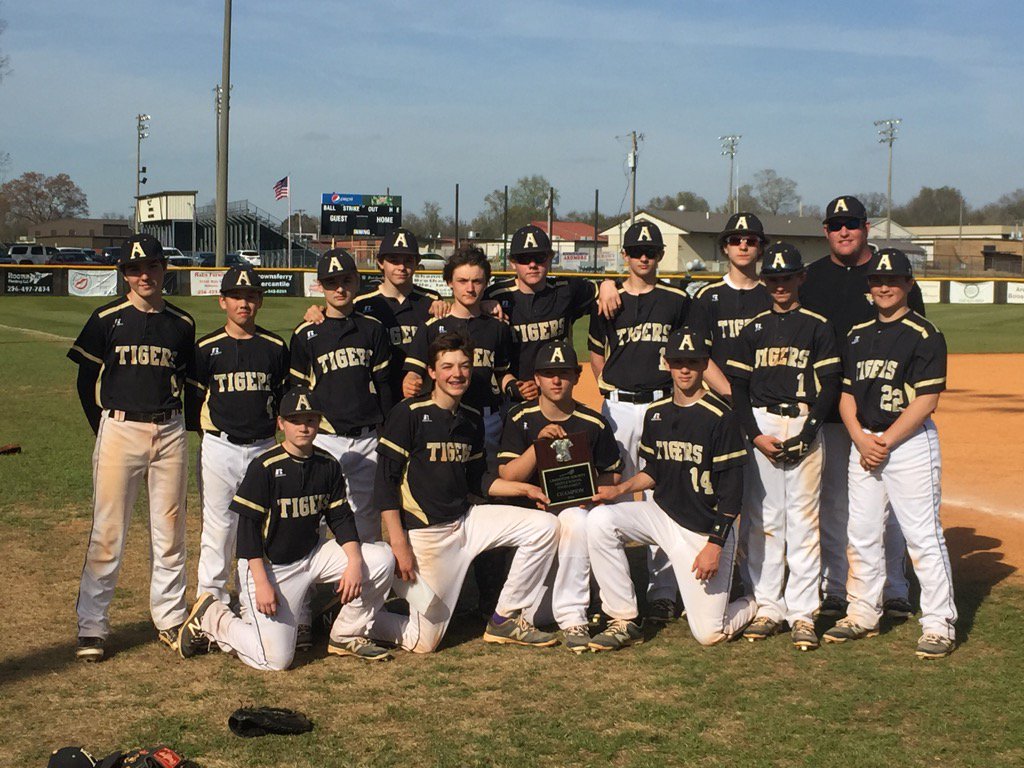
<point>690,201</point>
<point>527,201</point>
<point>932,207</point>
<point>587,217</point>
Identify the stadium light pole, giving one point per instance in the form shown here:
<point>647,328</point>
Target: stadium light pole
<point>141,132</point>
<point>729,144</point>
<point>887,129</point>
<point>221,213</point>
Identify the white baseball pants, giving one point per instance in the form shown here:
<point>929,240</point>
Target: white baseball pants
<point>779,526</point>
<point>566,596</point>
<point>907,486</point>
<point>443,554</point>
<point>834,520</point>
<point>126,454</point>
<point>627,423</point>
<point>358,459</point>
<point>222,465</point>
<point>268,642</point>
<point>711,616</point>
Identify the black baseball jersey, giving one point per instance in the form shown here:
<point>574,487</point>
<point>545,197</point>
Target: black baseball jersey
<point>429,461</point>
<point>400,319</point>
<point>723,310</point>
<point>888,364</point>
<point>525,421</point>
<point>141,360</point>
<point>280,503</point>
<point>344,361</point>
<point>239,383</point>
<point>633,342</point>
<point>696,455</point>
<point>784,355</point>
<point>545,315</point>
<point>492,348</point>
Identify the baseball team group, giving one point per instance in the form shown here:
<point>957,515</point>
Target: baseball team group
<point>768,444</point>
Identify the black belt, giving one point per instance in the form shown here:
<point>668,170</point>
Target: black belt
<point>784,409</point>
<point>236,440</point>
<point>147,417</point>
<point>636,397</point>
<point>357,431</point>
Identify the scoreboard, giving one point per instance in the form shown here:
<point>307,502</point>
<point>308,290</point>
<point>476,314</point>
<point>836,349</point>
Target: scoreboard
<point>348,215</point>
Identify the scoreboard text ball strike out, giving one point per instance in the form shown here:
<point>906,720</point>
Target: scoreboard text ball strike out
<point>348,215</point>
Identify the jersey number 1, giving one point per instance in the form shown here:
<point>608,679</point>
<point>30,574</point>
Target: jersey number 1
<point>701,481</point>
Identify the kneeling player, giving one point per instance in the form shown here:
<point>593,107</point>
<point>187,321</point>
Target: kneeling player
<point>694,458</point>
<point>894,370</point>
<point>431,460</point>
<point>280,503</point>
<point>555,415</point>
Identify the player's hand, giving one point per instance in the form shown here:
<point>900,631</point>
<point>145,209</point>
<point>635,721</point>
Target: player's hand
<point>873,449</point>
<point>412,384</point>
<point>606,494</point>
<point>608,301</point>
<point>440,308</point>
<point>528,389</point>
<point>405,559</point>
<point>769,445</point>
<point>493,308</point>
<point>351,584</point>
<point>705,565</point>
<point>536,494</point>
<point>266,599</point>
<point>315,315</point>
<point>552,432</point>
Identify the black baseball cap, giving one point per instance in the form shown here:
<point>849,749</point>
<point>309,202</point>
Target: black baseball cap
<point>71,757</point>
<point>686,342</point>
<point>240,279</point>
<point>556,356</point>
<point>845,207</point>
<point>401,242</point>
<point>296,401</point>
<point>530,241</point>
<point>643,236</point>
<point>781,259</point>
<point>138,248</point>
<point>742,223</point>
<point>335,262</point>
<point>891,262</point>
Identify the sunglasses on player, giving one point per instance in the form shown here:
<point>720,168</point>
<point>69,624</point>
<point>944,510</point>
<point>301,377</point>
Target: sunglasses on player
<point>539,259</point>
<point>752,242</point>
<point>851,224</point>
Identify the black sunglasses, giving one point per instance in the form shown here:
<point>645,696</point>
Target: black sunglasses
<point>752,242</point>
<point>528,258</point>
<point>851,224</point>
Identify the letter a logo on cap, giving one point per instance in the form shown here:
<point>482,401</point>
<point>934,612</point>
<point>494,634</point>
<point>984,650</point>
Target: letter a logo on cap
<point>645,234</point>
<point>741,223</point>
<point>243,278</point>
<point>885,263</point>
<point>841,205</point>
<point>335,265</point>
<point>400,240</point>
<point>557,356</point>
<point>303,403</point>
<point>531,241</point>
<point>137,252</point>
<point>779,262</point>
<point>686,344</point>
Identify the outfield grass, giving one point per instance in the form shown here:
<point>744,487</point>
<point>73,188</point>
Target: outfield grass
<point>665,703</point>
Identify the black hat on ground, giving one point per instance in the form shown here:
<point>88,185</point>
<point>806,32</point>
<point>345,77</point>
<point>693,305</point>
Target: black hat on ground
<point>401,242</point>
<point>556,356</point>
<point>138,248</point>
<point>781,259</point>
<point>240,279</point>
<point>334,263</point>
<point>891,262</point>
<point>71,757</point>
<point>642,236</point>
<point>530,241</point>
<point>686,343</point>
<point>742,223</point>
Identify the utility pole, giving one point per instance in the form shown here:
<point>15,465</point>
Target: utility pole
<point>221,246</point>
<point>632,173</point>
<point>887,129</point>
<point>141,132</point>
<point>597,199</point>
<point>729,144</point>
<point>504,232</point>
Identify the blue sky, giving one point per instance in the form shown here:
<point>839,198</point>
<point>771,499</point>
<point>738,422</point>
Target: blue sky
<point>357,97</point>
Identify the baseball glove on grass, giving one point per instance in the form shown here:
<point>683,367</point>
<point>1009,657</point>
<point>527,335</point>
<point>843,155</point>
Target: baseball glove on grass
<point>259,721</point>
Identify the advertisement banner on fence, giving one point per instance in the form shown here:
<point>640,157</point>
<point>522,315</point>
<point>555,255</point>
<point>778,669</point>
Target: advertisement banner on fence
<point>277,283</point>
<point>310,286</point>
<point>92,282</point>
<point>432,282</point>
<point>931,291</point>
<point>1015,293</point>
<point>971,293</point>
<point>36,283</point>
<point>206,282</point>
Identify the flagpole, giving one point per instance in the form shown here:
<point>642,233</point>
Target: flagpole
<point>289,221</point>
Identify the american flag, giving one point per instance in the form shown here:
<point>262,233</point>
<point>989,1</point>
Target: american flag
<point>281,189</point>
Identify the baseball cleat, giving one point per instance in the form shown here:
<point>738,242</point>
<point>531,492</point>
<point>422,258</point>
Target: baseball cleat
<point>803,636</point>
<point>359,647</point>
<point>517,631</point>
<point>761,628</point>
<point>619,634</point>
<point>89,649</point>
<point>848,629</point>
<point>169,637</point>
<point>831,606</point>
<point>898,608</point>
<point>576,638</point>
<point>189,636</point>
<point>932,646</point>
<point>661,611</point>
<point>303,637</point>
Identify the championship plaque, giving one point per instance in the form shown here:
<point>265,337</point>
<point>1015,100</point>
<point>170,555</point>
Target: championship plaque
<point>566,470</point>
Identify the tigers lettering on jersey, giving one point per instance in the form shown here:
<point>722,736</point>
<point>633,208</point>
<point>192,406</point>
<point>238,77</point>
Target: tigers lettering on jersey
<point>448,451</point>
<point>336,359</point>
<point>644,332</point>
<point>877,369</point>
<point>304,506</point>
<point>543,331</point>
<point>402,335</point>
<point>145,354</point>
<point>242,381</point>
<point>730,329</point>
<point>678,450</point>
<point>791,356</point>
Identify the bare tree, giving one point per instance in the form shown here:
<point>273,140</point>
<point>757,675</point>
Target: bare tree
<point>691,201</point>
<point>777,194</point>
<point>5,60</point>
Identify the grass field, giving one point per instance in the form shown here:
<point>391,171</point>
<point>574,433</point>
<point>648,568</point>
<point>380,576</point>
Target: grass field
<point>665,703</point>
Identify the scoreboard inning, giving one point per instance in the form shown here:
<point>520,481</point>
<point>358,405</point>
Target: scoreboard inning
<point>372,215</point>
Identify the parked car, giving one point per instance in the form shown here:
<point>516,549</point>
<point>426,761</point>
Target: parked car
<point>25,253</point>
<point>253,257</point>
<point>71,257</point>
<point>109,256</point>
<point>230,260</point>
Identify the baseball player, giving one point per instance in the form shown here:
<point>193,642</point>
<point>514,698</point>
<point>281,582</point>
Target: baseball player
<point>556,415</point>
<point>626,357</point>
<point>281,554</point>
<point>785,381</point>
<point>837,287</point>
<point>241,371</point>
<point>431,460</point>
<point>726,306</point>
<point>694,456</point>
<point>540,308</point>
<point>134,355</point>
<point>895,369</point>
<point>346,361</point>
